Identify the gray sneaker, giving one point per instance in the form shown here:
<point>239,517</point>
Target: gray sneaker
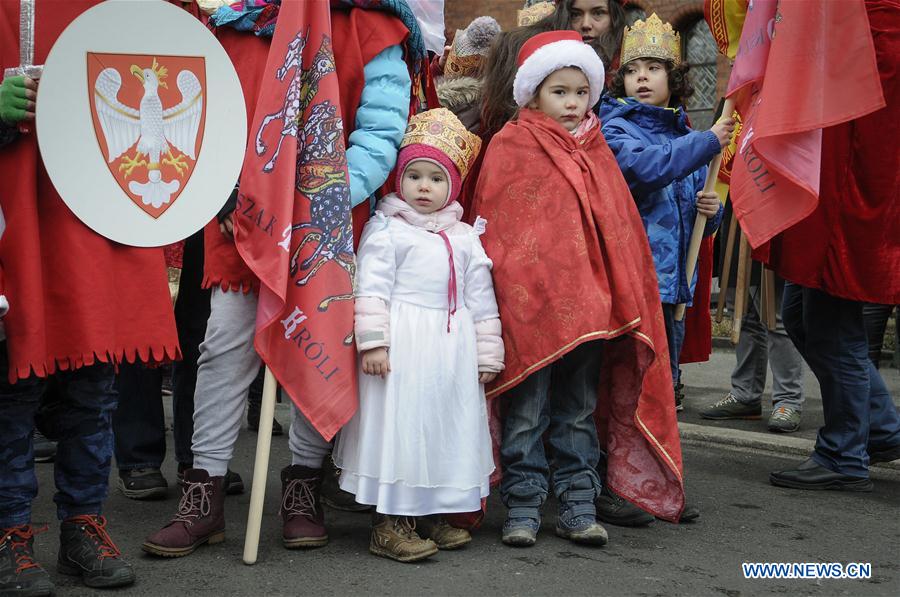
<point>730,408</point>
<point>784,419</point>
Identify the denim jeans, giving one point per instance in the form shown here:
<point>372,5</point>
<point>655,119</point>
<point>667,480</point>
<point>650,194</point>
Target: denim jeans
<point>674,338</point>
<point>561,397</point>
<point>81,423</point>
<point>139,422</point>
<point>859,414</point>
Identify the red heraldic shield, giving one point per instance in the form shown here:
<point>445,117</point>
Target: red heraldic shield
<point>299,240</point>
<point>149,114</point>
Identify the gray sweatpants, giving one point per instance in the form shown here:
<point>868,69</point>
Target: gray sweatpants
<point>759,347</point>
<point>227,366</point>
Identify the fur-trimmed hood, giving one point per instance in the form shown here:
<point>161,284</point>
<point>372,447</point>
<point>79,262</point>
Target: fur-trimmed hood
<point>456,94</point>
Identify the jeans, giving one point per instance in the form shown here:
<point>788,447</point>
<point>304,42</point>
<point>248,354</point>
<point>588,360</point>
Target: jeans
<point>859,414</point>
<point>760,348</point>
<point>561,396</point>
<point>674,338</point>
<point>876,318</point>
<point>139,422</point>
<point>81,423</point>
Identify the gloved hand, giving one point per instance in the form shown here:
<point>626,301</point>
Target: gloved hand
<point>17,95</point>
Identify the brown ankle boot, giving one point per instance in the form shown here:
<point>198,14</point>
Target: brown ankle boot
<point>200,518</point>
<point>395,537</point>
<point>301,508</point>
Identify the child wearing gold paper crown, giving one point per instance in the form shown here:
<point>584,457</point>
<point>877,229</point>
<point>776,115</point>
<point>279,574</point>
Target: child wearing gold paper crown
<point>662,159</point>
<point>428,334</point>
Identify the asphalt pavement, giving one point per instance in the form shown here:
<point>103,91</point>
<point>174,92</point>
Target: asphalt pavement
<point>743,519</point>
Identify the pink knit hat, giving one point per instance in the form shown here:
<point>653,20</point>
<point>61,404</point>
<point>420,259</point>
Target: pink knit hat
<point>419,151</point>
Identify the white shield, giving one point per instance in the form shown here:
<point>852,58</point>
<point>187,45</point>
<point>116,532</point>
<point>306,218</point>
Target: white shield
<point>84,153</point>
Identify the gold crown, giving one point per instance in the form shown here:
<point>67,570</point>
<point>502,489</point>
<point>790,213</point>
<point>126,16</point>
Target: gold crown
<point>651,39</point>
<point>441,129</point>
<point>462,66</point>
<point>534,13</point>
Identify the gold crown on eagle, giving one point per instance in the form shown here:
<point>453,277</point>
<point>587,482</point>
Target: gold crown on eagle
<point>651,39</point>
<point>441,129</point>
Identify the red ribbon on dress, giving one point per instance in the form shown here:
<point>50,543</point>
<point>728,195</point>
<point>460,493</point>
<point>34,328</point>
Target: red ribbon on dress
<point>451,285</point>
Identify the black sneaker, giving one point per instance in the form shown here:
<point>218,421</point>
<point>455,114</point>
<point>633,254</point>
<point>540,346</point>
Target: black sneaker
<point>142,484</point>
<point>19,573</point>
<point>44,449</point>
<point>87,550</point>
<point>614,509</point>
<point>679,397</point>
<point>233,483</point>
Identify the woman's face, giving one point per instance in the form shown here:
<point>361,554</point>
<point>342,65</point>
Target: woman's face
<point>590,18</point>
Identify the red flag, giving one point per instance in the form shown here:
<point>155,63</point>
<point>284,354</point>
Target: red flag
<point>801,67</point>
<point>292,223</point>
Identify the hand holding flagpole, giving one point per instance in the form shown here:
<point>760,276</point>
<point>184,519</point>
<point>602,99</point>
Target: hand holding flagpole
<point>700,221</point>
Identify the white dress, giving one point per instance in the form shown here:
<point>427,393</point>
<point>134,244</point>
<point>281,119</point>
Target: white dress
<point>420,443</point>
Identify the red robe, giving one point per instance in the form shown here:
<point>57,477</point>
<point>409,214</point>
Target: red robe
<point>571,265</point>
<point>359,36</point>
<point>75,297</point>
<point>849,246</point>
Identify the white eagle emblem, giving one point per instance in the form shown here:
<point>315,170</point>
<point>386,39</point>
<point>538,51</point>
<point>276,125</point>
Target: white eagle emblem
<point>154,129</point>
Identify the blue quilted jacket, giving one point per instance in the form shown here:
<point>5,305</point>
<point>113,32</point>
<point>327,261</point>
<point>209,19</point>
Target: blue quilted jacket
<point>664,163</point>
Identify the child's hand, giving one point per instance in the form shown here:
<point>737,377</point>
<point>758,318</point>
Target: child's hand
<point>708,203</point>
<point>486,377</point>
<point>376,362</point>
<point>723,130</point>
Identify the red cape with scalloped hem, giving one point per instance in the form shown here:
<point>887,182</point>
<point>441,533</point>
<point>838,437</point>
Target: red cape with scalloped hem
<point>75,297</point>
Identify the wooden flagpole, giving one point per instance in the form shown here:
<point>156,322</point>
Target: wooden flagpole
<point>260,468</point>
<point>740,294</point>
<point>700,222</point>
<point>725,278</point>
<point>768,279</point>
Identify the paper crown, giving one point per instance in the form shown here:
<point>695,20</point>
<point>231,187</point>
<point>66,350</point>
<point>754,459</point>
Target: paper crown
<point>533,13</point>
<point>470,46</point>
<point>442,130</point>
<point>651,39</point>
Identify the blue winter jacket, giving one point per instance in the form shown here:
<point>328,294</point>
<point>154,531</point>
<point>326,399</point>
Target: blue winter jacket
<point>664,163</point>
<point>380,123</point>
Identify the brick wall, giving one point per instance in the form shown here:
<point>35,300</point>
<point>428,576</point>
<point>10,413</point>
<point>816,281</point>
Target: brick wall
<point>681,13</point>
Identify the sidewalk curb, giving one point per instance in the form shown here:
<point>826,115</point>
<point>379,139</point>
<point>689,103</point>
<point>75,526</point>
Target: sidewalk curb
<point>781,445</point>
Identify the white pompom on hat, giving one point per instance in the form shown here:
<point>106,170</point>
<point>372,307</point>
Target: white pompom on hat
<point>546,53</point>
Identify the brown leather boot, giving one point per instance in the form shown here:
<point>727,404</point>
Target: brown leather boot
<point>200,518</point>
<point>395,537</point>
<point>301,508</point>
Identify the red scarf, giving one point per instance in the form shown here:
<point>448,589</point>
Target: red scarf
<point>571,265</point>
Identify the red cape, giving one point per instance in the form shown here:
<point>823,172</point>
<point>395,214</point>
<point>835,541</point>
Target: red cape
<point>359,36</point>
<point>572,264</point>
<point>75,297</point>
<point>697,344</point>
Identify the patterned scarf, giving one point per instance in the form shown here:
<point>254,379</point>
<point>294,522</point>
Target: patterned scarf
<point>260,17</point>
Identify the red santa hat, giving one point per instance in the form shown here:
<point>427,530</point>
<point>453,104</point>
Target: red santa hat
<point>546,53</point>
